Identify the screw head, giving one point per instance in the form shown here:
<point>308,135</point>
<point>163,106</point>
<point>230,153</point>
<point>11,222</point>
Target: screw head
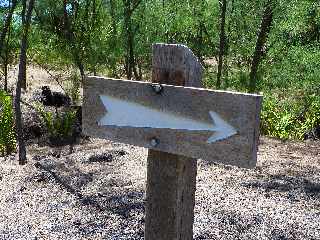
<point>154,142</point>
<point>157,88</point>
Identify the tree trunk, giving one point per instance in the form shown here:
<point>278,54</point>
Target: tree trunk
<point>6,60</point>
<point>7,24</point>
<point>69,36</point>
<point>113,18</point>
<point>166,32</point>
<point>114,34</point>
<point>222,40</point>
<point>131,66</point>
<point>5,71</point>
<point>198,40</point>
<point>23,67</point>
<point>65,19</point>
<point>81,68</point>
<point>21,79</point>
<point>261,41</point>
<point>128,30</point>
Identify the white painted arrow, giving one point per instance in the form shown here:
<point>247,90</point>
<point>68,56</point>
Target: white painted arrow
<point>128,114</point>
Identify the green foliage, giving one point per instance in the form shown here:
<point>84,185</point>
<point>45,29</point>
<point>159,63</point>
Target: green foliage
<point>7,131</point>
<point>96,35</point>
<point>72,88</point>
<point>291,72</point>
<point>290,118</point>
<point>59,126</point>
<point>84,38</point>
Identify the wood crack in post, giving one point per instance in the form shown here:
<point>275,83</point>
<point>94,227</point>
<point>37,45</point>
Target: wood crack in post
<point>171,199</point>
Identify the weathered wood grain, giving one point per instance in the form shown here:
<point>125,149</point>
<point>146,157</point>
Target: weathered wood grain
<point>171,177</point>
<point>242,111</point>
<point>171,180</point>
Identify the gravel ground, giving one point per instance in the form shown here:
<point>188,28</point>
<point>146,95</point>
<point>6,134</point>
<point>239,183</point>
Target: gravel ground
<point>98,193</point>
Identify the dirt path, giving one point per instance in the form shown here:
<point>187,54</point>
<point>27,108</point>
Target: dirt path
<point>98,193</point>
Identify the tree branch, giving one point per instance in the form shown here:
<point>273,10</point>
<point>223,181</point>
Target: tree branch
<point>51,75</point>
<point>135,4</point>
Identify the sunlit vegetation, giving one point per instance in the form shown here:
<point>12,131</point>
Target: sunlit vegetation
<point>265,46</point>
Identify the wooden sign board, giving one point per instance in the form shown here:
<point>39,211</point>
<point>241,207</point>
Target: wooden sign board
<point>212,125</point>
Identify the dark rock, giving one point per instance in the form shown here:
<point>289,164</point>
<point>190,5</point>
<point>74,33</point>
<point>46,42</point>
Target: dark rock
<point>57,141</point>
<point>77,223</point>
<point>39,178</point>
<point>106,157</point>
<point>34,131</point>
<point>313,134</point>
<point>121,152</point>
<point>56,154</point>
<point>54,99</point>
<point>311,187</point>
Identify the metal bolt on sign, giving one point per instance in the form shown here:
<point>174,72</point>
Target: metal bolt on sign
<point>157,88</point>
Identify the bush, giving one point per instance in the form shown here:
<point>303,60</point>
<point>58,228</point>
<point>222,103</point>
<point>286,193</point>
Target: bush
<point>60,127</point>
<point>72,87</point>
<point>7,131</point>
<point>290,117</point>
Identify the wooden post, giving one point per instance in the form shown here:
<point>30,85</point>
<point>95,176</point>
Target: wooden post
<point>171,179</point>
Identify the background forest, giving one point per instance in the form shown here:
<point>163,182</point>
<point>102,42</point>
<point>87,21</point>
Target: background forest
<point>264,46</point>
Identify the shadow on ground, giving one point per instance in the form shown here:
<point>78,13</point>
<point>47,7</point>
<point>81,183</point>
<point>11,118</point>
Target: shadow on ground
<point>73,180</point>
<point>237,225</point>
<point>285,183</point>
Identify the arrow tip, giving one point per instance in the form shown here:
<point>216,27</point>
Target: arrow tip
<point>223,129</point>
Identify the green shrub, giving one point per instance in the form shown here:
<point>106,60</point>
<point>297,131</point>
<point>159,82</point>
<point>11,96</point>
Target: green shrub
<point>72,87</point>
<point>59,126</point>
<point>7,131</point>
<point>290,117</point>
